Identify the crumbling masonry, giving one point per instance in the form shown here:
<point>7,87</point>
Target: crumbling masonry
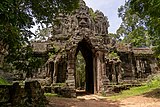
<point>87,31</point>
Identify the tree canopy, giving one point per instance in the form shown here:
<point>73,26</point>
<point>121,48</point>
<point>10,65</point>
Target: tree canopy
<point>141,23</point>
<point>150,10</point>
<point>17,17</point>
<point>133,28</point>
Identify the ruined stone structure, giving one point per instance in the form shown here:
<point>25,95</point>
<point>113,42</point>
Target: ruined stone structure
<point>136,62</point>
<point>29,95</point>
<point>87,31</point>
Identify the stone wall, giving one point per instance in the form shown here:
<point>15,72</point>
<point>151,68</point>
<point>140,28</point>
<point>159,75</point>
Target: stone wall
<point>87,31</point>
<point>29,95</point>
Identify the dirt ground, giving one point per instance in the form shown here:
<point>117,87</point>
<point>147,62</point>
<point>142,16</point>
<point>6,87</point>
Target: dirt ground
<point>66,102</point>
<point>150,99</point>
<point>90,101</point>
<point>140,101</point>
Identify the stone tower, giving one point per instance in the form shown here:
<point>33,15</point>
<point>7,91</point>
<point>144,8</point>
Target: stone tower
<point>86,31</point>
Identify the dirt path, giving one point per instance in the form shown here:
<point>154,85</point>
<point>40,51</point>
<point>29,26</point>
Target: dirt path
<point>140,101</point>
<point>96,101</point>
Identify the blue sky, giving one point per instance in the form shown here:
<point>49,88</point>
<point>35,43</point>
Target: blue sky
<point>110,9</point>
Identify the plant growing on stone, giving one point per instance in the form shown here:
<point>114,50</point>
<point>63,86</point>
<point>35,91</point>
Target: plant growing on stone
<point>92,13</point>
<point>113,55</point>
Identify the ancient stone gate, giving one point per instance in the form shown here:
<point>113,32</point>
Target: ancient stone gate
<point>86,31</point>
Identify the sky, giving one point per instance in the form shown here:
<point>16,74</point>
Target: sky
<point>109,9</point>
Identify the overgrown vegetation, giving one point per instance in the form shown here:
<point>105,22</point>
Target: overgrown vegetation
<point>3,81</point>
<point>151,84</point>
<point>140,23</point>
<point>113,55</point>
<point>92,13</point>
<point>17,19</point>
<point>51,95</point>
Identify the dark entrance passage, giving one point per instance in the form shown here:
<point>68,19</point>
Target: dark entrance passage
<point>87,54</point>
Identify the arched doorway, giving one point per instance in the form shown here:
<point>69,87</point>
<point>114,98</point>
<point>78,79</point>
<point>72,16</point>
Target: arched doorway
<point>86,50</point>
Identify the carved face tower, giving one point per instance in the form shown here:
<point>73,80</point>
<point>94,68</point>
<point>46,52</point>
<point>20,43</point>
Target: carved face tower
<point>83,15</point>
<point>86,31</point>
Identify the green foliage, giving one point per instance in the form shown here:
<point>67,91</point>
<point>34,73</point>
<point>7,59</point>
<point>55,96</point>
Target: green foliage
<point>115,36</point>
<point>148,12</point>
<point>133,29</point>
<point>24,60</point>
<point>43,34</point>
<point>18,17</point>
<point>113,55</point>
<point>3,81</point>
<point>103,93</point>
<point>153,83</point>
<point>60,84</point>
<point>51,95</point>
<point>92,13</point>
<point>80,71</point>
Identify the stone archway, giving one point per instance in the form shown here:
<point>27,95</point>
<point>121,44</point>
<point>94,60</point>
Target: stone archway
<point>87,54</point>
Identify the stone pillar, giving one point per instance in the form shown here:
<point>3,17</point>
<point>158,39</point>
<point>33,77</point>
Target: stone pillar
<point>95,74</point>
<point>55,72</point>
<point>105,79</point>
<point>119,72</point>
<point>70,76</point>
<point>113,72</point>
<point>102,79</point>
<point>98,64</point>
<point>99,70</point>
<point>132,66</point>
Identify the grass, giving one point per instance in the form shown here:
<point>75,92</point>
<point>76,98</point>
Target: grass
<point>3,81</point>
<point>149,86</point>
<point>51,95</point>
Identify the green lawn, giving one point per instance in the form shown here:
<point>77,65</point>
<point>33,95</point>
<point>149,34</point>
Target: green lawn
<point>137,90</point>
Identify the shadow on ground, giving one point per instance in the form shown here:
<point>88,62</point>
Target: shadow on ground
<point>74,102</point>
<point>153,94</point>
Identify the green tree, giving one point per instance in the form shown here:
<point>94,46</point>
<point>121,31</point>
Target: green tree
<point>133,29</point>
<point>150,10</point>
<point>115,36</point>
<point>17,17</point>
<point>25,61</point>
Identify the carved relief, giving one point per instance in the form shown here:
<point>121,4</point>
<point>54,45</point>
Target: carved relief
<point>79,27</point>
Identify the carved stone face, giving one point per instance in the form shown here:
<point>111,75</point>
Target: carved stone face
<point>82,3</point>
<point>83,20</point>
<point>83,15</point>
<point>99,16</point>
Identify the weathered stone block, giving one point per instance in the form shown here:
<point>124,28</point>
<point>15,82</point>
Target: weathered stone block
<point>19,96</point>
<point>4,93</point>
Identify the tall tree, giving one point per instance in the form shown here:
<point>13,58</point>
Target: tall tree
<point>133,29</point>
<point>17,17</point>
<point>150,10</point>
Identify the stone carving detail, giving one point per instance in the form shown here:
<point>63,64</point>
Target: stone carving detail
<point>87,31</point>
<point>101,23</point>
